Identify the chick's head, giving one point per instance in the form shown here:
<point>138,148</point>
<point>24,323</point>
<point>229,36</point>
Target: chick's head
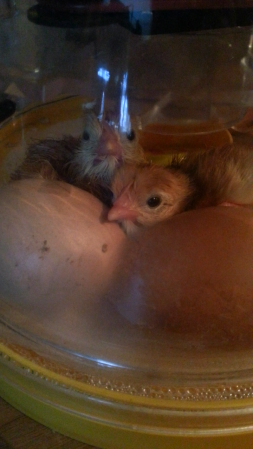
<point>148,194</point>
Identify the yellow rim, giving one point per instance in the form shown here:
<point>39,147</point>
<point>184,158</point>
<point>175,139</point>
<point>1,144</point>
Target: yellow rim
<point>83,387</point>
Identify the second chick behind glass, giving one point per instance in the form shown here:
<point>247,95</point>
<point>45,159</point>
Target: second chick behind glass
<point>88,162</point>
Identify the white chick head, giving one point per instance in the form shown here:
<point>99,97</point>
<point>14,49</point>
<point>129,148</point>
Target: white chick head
<point>103,149</point>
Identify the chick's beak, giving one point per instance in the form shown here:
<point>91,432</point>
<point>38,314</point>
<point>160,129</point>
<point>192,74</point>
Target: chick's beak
<point>109,143</point>
<point>122,208</point>
<point>117,213</point>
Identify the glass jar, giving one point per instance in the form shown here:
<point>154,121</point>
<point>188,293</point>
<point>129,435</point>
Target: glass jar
<point>139,338</point>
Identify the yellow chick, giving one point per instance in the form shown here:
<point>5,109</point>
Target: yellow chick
<point>144,195</point>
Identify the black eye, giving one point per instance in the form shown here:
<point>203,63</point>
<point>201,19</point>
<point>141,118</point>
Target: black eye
<point>154,201</point>
<point>131,135</point>
<point>86,135</point>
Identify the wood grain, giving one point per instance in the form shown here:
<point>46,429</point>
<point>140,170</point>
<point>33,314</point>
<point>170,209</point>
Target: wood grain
<point>17,431</point>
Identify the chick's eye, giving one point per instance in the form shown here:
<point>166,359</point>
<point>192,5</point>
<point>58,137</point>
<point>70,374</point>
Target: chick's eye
<point>154,201</point>
<point>86,135</point>
<point>131,135</point>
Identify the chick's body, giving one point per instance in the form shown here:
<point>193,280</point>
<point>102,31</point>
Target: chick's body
<point>220,175</point>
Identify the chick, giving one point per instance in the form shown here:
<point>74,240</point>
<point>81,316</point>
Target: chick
<point>146,194</point>
<point>102,149</point>
<point>88,161</point>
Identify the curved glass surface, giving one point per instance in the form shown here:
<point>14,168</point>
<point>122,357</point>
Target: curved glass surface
<point>153,306</point>
<point>166,313</point>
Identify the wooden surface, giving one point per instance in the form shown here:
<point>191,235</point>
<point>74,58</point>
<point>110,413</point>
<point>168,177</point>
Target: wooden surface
<point>20,432</point>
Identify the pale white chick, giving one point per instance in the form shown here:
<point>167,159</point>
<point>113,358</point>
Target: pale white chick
<point>147,194</point>
<point>88,161</point>
<point>103,148</point>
